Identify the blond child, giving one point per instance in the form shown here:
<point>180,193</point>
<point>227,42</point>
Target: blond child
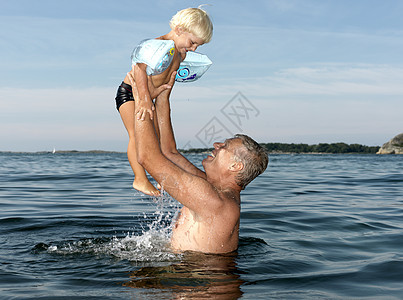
<point>190,28</point>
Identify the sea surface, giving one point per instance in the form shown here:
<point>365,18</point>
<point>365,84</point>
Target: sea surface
<point>312,227</point>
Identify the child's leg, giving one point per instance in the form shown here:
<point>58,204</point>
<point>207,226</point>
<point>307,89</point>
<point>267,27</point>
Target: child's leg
<point>157,132</point>
<point>141,181</point>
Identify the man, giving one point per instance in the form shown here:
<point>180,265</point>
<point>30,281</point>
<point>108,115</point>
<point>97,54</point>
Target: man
<point>209,219</point>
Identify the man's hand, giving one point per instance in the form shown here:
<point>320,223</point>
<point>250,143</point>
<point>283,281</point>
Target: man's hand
<point>155,92</point>
<point>144,105</point>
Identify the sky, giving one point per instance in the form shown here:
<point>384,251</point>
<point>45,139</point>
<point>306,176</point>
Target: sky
<point>288,71</point>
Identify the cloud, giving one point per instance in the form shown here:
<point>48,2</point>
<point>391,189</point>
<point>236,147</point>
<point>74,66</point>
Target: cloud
<point>327,84</point>
<point>317,103</point>
<point>66,116</point>
<point>326,79</point>
<point>68,52</point>
<point>313,70</point>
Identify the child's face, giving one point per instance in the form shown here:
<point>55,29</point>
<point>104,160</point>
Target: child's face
<point>186,41</point>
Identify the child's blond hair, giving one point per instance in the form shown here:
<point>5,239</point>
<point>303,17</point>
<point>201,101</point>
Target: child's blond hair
<point>195,21</point>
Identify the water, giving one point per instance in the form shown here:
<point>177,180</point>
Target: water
<point>312,227</point>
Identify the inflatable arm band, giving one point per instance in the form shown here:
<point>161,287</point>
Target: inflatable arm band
<point>156,54</point>
<point>193,67</point>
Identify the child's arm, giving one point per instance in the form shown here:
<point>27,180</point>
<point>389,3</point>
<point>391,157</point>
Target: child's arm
<point>144,104</point>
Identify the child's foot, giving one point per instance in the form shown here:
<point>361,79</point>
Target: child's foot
<point>146,187</point>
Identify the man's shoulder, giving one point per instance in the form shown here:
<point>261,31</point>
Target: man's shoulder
<point>229,200</point>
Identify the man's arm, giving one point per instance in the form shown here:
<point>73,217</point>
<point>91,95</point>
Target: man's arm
<point>192,191</point>
<point>167,137</point>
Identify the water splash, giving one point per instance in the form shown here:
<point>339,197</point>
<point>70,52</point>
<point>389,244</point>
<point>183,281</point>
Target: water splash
<point>151,245</point>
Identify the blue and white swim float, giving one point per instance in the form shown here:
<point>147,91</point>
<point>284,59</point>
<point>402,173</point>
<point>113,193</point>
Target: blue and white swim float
<point>193,67</point>
<point>158,55</point>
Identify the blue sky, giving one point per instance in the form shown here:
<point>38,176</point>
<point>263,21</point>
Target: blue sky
<point>283,71</point>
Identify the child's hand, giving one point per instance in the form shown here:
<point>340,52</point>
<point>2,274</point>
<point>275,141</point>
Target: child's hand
<point>143,105</point>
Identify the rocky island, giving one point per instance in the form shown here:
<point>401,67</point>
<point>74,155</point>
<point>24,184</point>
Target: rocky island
<point>394,146</point>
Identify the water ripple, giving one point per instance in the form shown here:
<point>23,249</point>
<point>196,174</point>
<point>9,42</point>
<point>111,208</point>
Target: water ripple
<point>312,227</point>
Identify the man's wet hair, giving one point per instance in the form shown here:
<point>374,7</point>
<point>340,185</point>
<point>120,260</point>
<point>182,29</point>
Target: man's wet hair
<point>254,158</point>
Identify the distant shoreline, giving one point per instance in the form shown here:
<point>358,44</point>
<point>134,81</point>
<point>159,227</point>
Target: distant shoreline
<point>271,148</point>
<point>322,148</point>
<point>64,152</point>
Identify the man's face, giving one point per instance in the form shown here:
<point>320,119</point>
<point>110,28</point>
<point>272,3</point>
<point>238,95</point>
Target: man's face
<point>222,156</point>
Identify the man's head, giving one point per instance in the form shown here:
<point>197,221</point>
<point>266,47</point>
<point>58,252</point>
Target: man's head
<point>253,157</point>
<point>240,157</point>
<point>195,21</point>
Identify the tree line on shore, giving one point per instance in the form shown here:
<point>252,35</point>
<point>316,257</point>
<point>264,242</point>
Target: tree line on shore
<point>333,148</point>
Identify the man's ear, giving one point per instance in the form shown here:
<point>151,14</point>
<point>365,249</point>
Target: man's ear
<point>236,166</point>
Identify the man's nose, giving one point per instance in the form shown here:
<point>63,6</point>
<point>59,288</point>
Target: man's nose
<point>217,145</point>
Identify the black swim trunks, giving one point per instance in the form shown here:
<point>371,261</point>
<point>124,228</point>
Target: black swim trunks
<point>123,95</point>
